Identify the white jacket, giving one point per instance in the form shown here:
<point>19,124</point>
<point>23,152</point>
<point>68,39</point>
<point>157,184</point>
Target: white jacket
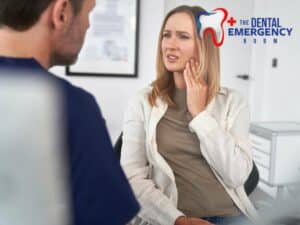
<point>223,131</point>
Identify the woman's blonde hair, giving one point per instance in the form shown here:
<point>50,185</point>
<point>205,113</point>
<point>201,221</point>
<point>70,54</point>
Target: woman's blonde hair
<point>209,61</point>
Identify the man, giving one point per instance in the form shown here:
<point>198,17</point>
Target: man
<point>35,35</point>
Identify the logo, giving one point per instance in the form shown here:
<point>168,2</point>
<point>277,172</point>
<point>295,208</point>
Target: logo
<point>254,29</point>
<point>260,29</point>
<point>212,22</point>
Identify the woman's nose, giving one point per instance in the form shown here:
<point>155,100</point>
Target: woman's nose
<point>172,43</point>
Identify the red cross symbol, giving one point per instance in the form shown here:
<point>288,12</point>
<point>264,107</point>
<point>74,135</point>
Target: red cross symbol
<point>231,21</point>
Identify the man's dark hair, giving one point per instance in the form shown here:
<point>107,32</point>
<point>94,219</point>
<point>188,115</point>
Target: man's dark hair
<point>22,14</point>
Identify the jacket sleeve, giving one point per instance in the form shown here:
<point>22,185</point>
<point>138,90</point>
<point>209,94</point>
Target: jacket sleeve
<point>101,193</point>
<point>156,208</point>
<point>227,150</point>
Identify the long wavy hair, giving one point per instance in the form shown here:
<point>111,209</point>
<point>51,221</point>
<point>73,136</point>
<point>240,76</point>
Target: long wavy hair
<point>209,62</point>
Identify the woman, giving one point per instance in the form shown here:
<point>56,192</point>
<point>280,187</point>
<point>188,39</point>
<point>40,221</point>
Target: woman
<point>185,145</point>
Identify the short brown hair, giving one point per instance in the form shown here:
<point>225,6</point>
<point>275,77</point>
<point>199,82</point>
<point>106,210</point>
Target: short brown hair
<point>20,15</point>
<point>164,86</point>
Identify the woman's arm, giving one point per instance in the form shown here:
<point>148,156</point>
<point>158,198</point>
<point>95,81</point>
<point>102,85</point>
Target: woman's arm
<point>226,150</point>
<point>156,208</point>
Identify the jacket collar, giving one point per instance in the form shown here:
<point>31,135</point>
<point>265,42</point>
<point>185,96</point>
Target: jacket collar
<point>222,91</point>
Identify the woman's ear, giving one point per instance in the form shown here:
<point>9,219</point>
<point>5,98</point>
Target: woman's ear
<point>62,14</point>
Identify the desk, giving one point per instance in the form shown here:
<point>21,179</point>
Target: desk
<point>276,152</point>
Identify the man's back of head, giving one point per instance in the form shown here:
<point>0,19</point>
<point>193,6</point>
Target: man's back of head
<point>20,15</point>
<point>51,31</point>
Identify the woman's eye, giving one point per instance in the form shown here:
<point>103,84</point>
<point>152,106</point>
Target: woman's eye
<point>184,37</point>
<point>166,35</point>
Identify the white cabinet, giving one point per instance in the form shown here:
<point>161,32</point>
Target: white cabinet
<point>276,152</point>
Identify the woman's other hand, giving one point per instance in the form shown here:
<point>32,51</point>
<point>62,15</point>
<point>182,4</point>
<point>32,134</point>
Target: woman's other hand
<point>183,220</point>
<point>197,221</point>
<point>196,88</point>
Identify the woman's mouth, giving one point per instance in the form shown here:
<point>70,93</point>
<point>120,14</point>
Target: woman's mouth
<point>172,58</point>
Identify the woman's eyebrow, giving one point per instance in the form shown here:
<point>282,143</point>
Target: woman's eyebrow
<point>182,32</point>
<point>178,32</point>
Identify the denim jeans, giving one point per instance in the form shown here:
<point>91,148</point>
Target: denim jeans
<point>229,220</point>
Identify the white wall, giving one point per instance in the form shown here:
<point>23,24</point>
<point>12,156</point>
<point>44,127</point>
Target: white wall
<point>275,92</point>
<point>112,94</point>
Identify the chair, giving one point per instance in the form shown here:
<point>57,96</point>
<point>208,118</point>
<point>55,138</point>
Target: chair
<point>249,186</point>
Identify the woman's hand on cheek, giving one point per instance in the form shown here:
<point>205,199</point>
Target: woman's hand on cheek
<point>196,88</point>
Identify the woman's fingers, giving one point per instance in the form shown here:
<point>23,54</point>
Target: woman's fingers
<point>191,73</point>
<point>197,70</point>
<point>197,77</point>
<point>187,78</point>
<point>194,68</point>
<point>202,81</point>
<point>196,92</point>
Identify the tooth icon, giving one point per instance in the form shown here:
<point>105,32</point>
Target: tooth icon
<point>212,22</point>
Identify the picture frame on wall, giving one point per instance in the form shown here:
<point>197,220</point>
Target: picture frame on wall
<point>110,48</point>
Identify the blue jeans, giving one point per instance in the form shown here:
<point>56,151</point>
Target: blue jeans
<point>229,220</point>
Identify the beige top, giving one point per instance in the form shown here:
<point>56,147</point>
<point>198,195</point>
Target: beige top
<point>199,192</point>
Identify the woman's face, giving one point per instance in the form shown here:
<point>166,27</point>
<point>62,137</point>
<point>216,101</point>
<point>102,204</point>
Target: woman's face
<point>178,43</point>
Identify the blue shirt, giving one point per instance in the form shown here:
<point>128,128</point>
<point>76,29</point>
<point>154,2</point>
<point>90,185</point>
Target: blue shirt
<point>100,192</point>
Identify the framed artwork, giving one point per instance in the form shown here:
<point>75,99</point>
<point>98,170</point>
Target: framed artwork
<point>111,44</point>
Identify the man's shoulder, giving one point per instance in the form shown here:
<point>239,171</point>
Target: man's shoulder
<point>71,88</point>
<point>78,103</point>
<point>75,95</point>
